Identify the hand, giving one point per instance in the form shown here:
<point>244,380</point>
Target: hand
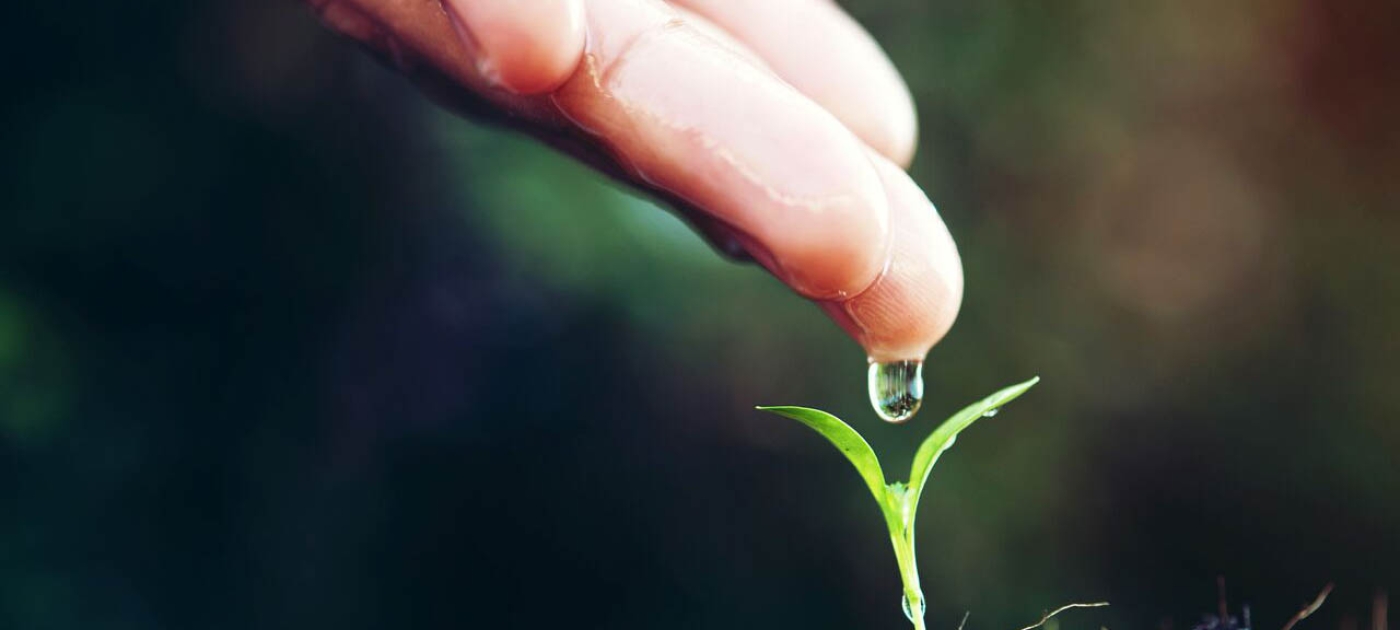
<point>778,127</point>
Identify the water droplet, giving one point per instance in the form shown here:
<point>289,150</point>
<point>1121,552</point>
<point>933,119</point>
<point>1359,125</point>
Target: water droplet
<point>991,412</point>
<point>896,389</point>
<point>909,612</point>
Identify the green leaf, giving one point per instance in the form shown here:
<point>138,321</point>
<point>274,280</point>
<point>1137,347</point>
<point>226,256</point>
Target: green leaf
<point>943,437</point>
<point>850,443</point>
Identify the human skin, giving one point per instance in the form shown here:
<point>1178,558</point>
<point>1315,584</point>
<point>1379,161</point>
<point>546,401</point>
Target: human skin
<point>777,127</point>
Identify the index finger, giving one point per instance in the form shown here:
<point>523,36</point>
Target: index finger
<point>689,116</point>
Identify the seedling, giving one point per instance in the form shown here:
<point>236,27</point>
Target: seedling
<point>899,501</point>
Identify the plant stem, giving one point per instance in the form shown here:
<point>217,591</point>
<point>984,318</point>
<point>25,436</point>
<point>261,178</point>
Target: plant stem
<point>917,617</point>
<point>909,573</point>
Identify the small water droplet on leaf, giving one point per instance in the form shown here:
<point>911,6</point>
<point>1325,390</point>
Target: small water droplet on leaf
<point>909,611</point>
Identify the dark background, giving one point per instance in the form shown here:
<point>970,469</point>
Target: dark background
<point>283,345</point>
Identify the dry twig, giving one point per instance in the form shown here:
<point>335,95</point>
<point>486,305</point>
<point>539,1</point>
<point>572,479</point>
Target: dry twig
<point>1310,608</point>
<point>1064,608</point>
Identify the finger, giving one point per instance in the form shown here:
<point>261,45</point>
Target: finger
<point>686,115</point>
<point>527,47</point>
<point>914,302</point>
<point>825,54</point>
<point>497,49</point>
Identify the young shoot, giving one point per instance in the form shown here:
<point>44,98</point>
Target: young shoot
<point>899,501</point>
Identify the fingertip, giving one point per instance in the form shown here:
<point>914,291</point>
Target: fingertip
<point>913,304</point>
<point>898,136</point>
<point>875,104</point>
<point>523,47</point>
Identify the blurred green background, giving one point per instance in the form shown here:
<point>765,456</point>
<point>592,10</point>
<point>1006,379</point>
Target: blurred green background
<point>283,345</point>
